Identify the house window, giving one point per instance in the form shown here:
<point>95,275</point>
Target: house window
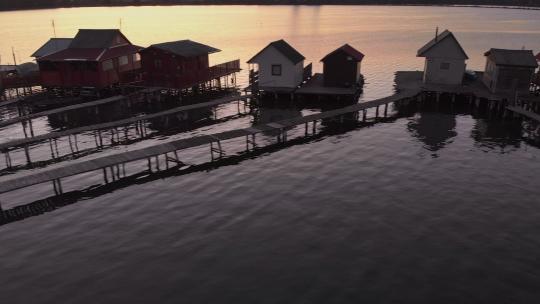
<point>108,65</point>
<point>136,57</point>
<point>157,64</point>
<point>123,60</point>
<point>276,69</point>
<point>445,66</point>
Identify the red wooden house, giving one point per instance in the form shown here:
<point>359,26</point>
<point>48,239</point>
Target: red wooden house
<point>341,68</point>
<point>182,64</point>
<point>95,59</point>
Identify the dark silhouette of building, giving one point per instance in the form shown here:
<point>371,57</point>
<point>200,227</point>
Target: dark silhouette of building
<point>509,70</point>
<point>341,67</point>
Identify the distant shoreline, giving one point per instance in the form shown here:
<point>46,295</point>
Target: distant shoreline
<point>211,3</point>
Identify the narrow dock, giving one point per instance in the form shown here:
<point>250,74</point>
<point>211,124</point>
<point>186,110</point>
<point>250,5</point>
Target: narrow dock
<point>524,112</point>
<point>137,120</point>
<point>174,146</point>
<point>79,106</point>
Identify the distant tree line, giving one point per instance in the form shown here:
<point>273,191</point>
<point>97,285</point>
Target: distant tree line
<point>34,4</point>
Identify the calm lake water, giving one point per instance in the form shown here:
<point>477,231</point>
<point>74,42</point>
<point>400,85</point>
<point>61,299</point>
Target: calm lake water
<point>431,207</point>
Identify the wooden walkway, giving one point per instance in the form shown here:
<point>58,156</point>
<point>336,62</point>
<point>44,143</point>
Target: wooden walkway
<point>78,106</point>
<point>118,123</point>
<point>114,160</point>
<point>522,111</point>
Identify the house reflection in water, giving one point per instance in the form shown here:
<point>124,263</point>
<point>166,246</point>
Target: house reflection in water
<point>497,134</point>
<point>435,130</point>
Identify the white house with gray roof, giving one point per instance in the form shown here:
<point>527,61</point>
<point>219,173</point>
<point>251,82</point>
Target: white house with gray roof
<point>280,66</point>
<point>445,60</point>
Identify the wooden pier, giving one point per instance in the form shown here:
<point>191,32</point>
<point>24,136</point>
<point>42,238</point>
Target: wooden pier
<point>114,162</point>
<point>139,122</point>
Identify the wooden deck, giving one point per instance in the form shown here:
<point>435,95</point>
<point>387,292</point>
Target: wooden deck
<point>172,146</point>
<point>413,80</point>
<point>118,123</point>
<point>315,86</point>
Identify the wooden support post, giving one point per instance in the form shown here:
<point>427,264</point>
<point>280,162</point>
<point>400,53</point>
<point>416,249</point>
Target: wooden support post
<point>24,129</point>
<point>100,138</point>
<point>105,176</point>
<point>112,173</point>
<point>56,147</point>
<point>385,109</point>
<point>364,115</point>
<point>8,159</point>
<point>75,142</point>
<point>306,132</point>
<point>377,111</point>
<point>314,130</point>
<point>59,182</point>
<point>52,150</point>
<point>31,127</point>
<point>27,153</point>
<point>70,144</point>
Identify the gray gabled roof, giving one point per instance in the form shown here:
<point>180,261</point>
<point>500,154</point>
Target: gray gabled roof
<point>440,37</point>
<point>521,58</point>
<point>52,46</point>
<point>185,48</point>
<point>285,49</point>
<point>95,39</point>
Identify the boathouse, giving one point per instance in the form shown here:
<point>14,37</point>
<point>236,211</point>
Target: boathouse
<point>278,68</point>
<point>182,64</point>
<point>341,67</point>
<point>445,60</point>
<point>94,59</point>
<point>509,70</point>
<point>52,46</point>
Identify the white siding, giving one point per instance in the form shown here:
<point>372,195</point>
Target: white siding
<point>291,75</point>
<point>446,51</point>
<point>434,73</point>
<point>490,75</point>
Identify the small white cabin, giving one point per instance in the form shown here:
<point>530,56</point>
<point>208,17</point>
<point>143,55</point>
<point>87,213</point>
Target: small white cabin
<point>279,66</point>
<point>445,60</point>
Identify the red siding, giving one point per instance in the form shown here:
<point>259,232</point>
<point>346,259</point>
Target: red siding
<point>173,70</point>
<point>87,73</point>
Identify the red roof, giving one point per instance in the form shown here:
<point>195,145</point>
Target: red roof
<point>349,50</point>
<point>91,54</point>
